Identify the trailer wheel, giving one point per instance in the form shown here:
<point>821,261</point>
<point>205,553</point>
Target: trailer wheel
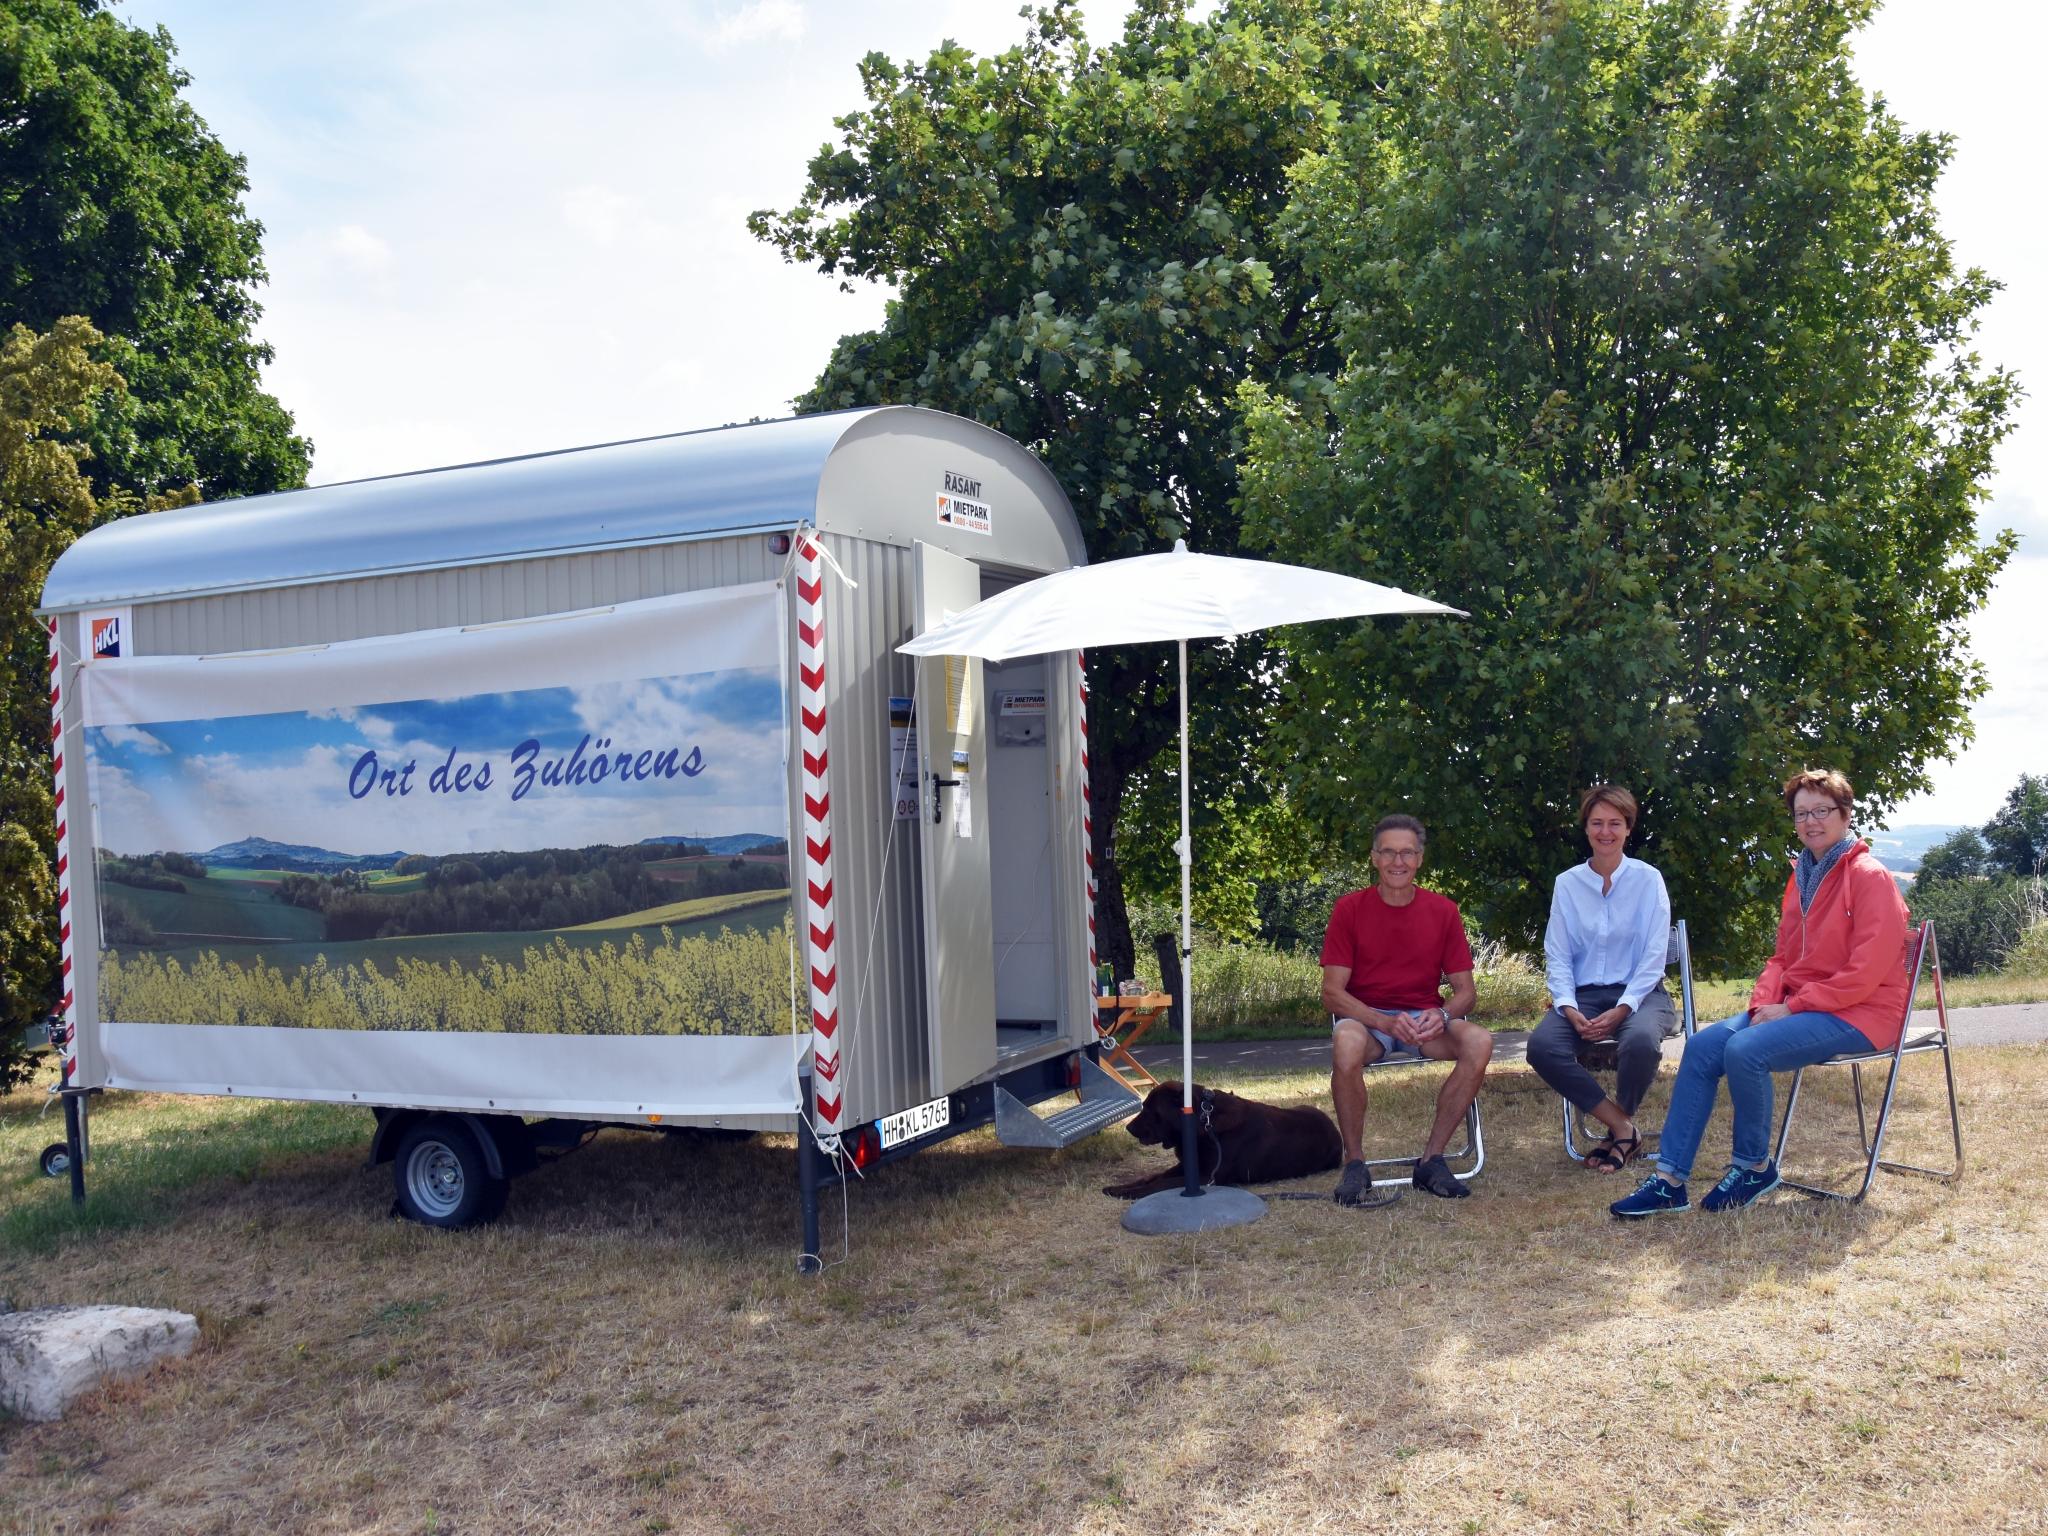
<point>55,1161</point>
<point>442,1178</point>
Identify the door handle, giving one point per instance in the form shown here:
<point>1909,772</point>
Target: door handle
<point>937,785</point>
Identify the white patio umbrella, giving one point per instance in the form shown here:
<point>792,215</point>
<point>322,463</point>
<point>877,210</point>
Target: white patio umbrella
<point>1179,597</point>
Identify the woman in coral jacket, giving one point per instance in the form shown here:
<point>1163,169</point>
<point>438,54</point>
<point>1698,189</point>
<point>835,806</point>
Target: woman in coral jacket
<point>1836,982</point>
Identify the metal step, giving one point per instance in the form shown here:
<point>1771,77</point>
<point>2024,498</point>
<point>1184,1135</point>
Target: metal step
<point>1105,1101</point>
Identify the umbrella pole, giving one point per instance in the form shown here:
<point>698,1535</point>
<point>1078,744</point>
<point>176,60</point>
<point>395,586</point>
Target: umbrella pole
<point>1189,1157</point>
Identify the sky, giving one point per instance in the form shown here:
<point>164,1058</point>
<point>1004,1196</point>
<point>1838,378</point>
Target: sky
<point>484,773</point>
<point>496,228</point>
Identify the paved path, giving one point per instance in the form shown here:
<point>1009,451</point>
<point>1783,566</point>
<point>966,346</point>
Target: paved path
<point>2007,1024</point>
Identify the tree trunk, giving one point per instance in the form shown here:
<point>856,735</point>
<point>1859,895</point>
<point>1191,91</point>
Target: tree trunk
<point>1112,923</point>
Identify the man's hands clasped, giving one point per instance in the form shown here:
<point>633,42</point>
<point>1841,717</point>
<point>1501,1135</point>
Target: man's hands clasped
<point>1420,1028</point>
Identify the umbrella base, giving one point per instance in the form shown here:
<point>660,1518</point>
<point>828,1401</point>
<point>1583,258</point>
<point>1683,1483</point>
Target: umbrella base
<point>1173,1210</point>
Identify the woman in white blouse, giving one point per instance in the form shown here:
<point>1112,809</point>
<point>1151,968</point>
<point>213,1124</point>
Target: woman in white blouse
<point>1610,926</point>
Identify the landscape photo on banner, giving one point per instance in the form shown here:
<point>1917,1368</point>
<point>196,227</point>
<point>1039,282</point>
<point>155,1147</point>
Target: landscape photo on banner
<point>586,853</point>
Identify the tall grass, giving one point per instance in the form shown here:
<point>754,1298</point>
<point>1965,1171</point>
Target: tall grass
<point>1247,990</point>
<point>736,983</point>
<point>2028,959</point>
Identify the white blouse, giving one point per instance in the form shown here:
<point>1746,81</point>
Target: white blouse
<point>1620,936</point>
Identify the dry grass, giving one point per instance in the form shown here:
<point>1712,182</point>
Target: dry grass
<point>629,1350</point>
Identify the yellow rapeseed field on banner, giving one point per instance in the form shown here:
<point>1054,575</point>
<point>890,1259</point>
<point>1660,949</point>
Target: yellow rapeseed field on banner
<point>731,983</point>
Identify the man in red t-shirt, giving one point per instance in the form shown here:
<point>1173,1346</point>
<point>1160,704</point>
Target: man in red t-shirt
<point>1388,952</point>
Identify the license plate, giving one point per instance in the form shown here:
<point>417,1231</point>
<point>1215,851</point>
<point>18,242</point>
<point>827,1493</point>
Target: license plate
<point>909,1124</point>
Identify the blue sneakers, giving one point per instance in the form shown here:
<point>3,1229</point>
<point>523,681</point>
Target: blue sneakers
<point>1740,1186</point>
<point>1653,1197</point>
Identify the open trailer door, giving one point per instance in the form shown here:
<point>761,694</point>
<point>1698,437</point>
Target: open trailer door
<point>959,922</point>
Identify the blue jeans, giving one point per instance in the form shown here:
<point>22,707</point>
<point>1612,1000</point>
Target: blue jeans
<point>1746,1054</point>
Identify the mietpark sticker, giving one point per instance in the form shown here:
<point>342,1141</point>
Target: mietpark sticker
<point>961,506</point>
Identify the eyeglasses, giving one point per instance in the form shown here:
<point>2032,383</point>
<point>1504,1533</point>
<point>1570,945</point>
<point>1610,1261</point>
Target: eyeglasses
<point>1821,814</point>
<point>1398,855</point>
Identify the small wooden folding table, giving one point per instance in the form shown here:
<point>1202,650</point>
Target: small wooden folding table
<point>1122,1022</point>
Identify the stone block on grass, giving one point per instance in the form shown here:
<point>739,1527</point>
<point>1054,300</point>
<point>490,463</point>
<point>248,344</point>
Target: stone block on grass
<point>51,1355</point>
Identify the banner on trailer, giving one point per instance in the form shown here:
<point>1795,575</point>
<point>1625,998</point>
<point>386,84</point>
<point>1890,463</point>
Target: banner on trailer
<point>571,829</point>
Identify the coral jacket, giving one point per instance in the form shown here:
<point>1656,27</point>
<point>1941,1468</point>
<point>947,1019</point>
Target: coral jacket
<point>1846,954</point>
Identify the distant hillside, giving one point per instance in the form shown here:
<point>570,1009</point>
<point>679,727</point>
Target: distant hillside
<point>737,842</point>
<point>1900,848</point>
<point>262,853</point>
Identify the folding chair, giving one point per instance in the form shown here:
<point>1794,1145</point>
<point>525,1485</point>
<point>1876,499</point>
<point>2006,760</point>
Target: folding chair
<point>1475,1136</point>
<point>1918,951</point>
<point>1599,1055</point>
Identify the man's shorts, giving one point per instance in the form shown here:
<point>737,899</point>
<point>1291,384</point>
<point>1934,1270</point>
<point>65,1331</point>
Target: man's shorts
<point>1389,1046</point>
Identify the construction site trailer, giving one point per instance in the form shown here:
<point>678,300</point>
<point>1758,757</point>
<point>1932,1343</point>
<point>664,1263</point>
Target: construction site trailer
<point>585,788</point>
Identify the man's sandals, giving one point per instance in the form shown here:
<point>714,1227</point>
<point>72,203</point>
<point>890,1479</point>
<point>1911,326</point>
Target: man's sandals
<point>1615,1153</point>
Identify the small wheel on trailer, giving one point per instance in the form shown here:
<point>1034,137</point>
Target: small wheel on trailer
<point>55,1161</point>
<point>443,1178</point>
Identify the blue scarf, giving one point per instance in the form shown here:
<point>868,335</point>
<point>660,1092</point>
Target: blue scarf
<point>1809,871</point>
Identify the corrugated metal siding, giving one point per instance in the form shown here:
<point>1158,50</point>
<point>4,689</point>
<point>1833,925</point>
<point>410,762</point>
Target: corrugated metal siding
<point>479,594</point>
<point>875,857</point>
<point>1070,903</point>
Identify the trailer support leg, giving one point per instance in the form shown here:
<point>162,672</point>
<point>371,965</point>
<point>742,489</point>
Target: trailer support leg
<point>74,1144</point>
<point>807,1159</point>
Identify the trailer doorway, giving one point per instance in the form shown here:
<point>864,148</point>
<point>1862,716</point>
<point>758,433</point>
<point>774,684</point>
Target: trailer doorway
<point>997,960</point>
<point>1021,830</point>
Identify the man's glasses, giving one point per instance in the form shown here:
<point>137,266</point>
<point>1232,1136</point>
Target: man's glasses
<point>1822,814</point>
<point>1397,855</point>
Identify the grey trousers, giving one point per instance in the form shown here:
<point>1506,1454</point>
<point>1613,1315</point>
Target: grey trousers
<point>1639,1047</point>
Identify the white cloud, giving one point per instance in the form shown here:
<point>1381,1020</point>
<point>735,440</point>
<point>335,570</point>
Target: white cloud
<point>2007,636</point>
<point>545,239</point>
<point>760,21</point>
<point>599,212</point>
<point>135,739</point>
<point>361,250</point>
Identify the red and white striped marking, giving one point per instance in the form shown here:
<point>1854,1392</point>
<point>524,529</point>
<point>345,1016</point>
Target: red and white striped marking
<point>827,1090</point>
<point>1087,817</point>
<point>65,1036</point>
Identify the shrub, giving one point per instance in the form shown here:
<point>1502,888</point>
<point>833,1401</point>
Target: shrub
<point>121,924</point>
<point>1238,985</point>
<point>1511,985</point>
<point>1978,921</point>
<point>2029,954</point>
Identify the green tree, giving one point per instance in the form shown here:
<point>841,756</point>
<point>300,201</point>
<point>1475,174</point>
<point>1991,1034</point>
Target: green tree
<point>49,387</point>
<point>1083,249</point>
<point>1959,856</point>
<point>117,203</point>
<point>1658,364</point>
<point>2016,837</point>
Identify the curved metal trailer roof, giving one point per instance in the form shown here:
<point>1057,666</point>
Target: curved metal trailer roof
<point>739,479</point>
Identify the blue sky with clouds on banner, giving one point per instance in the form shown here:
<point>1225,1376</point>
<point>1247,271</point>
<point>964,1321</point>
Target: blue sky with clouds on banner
<point>318,777</point>
<point>502,227</point>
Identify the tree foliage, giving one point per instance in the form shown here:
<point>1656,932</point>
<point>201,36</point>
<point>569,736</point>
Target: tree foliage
<point>1658,364</point>
<point>1084,252</point>
<point>118,204</point>
<point>2016,837</point>
<point>1959,856</point>
<point>49,386</point>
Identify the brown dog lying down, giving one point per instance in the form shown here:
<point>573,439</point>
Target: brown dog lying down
<point>1238,1141</point>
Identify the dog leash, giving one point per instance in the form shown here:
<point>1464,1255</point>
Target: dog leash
<point>1379,1196</point>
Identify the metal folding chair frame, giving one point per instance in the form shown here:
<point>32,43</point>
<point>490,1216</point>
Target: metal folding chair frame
<point>1677,950</point>
<point>1475,1134</point>
<point>1908,1044</point>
